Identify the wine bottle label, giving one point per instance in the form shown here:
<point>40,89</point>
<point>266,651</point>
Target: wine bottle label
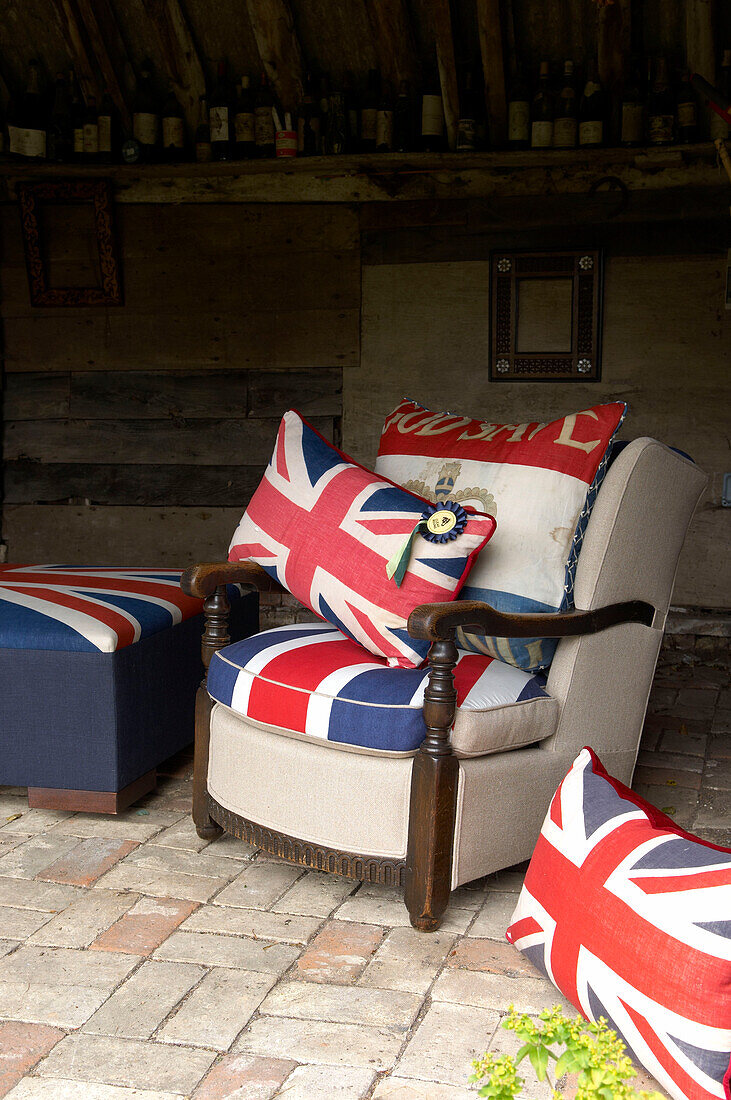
<point>219,124</point>
<point>368,118</point>
<point>432,116</point>
<point>79,139</point>
<point>203,152</point>
<point>660,129</point>
<point>564,133</point>
<point>244,127</point>
<point>285,143</point>
<point>145,127</point>
<point>518,120</point>
<point>27,143</point>
<point>264,126</point>
<point>632,123</point>
<point>687,114</point>
<point>105,133</point>
<point>91,139</point>
<point>591,132</point>
<point>466,141</point>
<point>173,136</point>
<point>541,135</point>
<point>384,129</point>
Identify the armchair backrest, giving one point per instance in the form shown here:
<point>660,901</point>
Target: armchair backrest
<point>630,551</point>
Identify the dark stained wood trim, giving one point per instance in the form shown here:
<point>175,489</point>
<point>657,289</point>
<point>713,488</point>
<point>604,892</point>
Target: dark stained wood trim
<point>203,580</point>
<point>364,868</point>
<point>440,620</point>
<point>93,802</point>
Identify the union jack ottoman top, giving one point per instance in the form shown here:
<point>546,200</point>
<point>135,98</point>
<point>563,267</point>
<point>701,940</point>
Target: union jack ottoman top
<point>100,609</point>
<point>311,681</point>
<point>630,917</point>
<point>538,480</point>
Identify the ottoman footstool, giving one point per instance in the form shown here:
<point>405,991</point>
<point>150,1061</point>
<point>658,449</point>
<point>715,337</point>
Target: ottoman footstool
<point>99,669</point>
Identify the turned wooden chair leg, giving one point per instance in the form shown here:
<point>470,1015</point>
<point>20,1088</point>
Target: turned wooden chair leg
<point>433,798</point>
<point>215,637</point>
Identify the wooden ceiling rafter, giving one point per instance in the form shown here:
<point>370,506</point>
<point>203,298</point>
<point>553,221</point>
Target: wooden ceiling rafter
<point>74,35</point>
<point>489,29</point>
<point>395,46</point>
<point>180,55</point>
<point>279,48</point>
<point>442,25</point>
<point>110,54</point>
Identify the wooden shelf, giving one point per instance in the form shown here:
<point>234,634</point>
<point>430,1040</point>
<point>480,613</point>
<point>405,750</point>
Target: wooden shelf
<point>392,177</point>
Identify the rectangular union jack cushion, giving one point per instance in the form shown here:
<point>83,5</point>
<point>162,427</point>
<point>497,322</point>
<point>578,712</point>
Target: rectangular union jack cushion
<point>326,528</point>
<point>630,917</point>
<point>88,610</point>
<point>311,681</point>
<point>538,480</point>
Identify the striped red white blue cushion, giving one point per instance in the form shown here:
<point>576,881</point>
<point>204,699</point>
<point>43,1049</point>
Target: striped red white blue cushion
<point>538,480</point>
<point>99,609</point>
<point>326,528</point>
<point>630,917</point>
<point>312,681</point>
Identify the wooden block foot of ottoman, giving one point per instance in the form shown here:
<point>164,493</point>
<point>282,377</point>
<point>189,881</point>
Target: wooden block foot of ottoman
<point>94,802</point>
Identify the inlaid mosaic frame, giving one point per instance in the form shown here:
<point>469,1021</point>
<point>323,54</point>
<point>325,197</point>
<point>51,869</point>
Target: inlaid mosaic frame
<point>97,193</point>
<point>582,362</point>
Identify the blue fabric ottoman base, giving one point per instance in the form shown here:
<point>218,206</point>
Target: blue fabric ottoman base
<point>98,721</point>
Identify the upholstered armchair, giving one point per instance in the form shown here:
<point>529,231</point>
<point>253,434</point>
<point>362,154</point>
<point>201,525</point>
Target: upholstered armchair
<point>470,798</point>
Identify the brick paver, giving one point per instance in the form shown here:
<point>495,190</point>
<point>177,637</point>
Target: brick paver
<point>138,962</point>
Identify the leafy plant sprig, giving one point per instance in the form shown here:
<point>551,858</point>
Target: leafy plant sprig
<point>592,1051</point>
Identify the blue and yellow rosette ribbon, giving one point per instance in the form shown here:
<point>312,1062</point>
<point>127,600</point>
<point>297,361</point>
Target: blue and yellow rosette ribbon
<point>441,523</point>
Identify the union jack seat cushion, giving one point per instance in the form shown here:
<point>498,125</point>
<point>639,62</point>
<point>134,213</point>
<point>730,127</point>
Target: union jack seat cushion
<point>630,917</point>
<point>539,481</point>
<point>99,609</point>
<point>326,528</point>
<point>311,681</point>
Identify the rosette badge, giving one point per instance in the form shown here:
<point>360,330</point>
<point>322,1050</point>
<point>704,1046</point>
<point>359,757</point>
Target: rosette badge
<point>440,522</point>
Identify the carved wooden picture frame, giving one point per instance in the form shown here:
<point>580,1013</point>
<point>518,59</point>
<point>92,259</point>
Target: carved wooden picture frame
<point>571,308</point>
<point>97,193</point>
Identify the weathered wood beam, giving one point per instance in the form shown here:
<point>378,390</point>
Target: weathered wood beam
<point>491,48</point>
<point>442,26</point>
<point>394,38</point>
<point>72,29</point>
<point>613,57</point>
<point>279,48</point>
<point>110,54</point>
<point>180,55</point>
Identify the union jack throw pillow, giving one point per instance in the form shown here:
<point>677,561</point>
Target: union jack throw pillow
<point>630,917</point>
<point>325,528</point>
<point>539,480</point>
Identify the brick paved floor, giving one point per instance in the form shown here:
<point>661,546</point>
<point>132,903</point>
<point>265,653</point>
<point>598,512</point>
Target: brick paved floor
<point>139,963</point>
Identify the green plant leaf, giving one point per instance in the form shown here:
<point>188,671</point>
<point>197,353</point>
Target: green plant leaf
<point>524,1050</point>
<point>539,1060</point>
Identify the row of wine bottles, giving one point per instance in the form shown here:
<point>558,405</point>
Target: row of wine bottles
<point>240,122</point>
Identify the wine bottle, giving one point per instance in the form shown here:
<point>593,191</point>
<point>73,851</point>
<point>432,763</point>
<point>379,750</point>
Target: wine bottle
<point>719,128</point>
<point>173,128</point>
<point>519,114</point>
<point>91,131</point>
<point>592,111</point>
<point>432,113</point>
<point>263,121</point>
<point>633,108</point>
<point>403,120</point>
<point>565,124</point>
<point>106,127</point>
<point>77,119</point>
<point>469,113</point>
<point>660,107</point>
<point>308,121</point>
<point>60,135</point>
<point>203,150</point>
<point>323,144</point>
<point>384,122</point>
<point>541,126</point>
<point>27,136</point>
<point>244,121</point>
<point>352,130</point>
<point>369,112</point>
<point>219,115</point>
<point>686,111</point>
<point>145,116</point>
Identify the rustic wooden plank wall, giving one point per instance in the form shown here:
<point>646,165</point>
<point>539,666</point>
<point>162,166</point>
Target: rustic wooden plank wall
<point>138,433</point>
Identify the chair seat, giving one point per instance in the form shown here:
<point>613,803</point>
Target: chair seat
<point>311,681</point>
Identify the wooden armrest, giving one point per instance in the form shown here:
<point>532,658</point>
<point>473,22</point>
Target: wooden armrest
<point>202,580</point>
<point>432,621</point>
